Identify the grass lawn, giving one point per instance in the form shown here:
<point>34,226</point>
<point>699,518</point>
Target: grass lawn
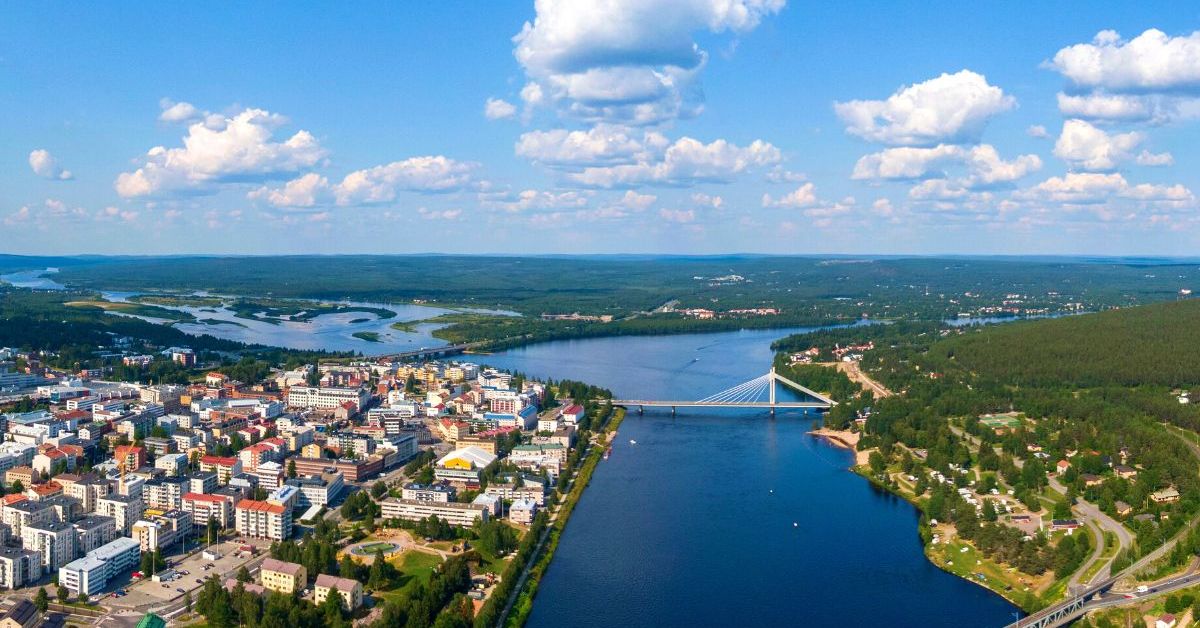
<point>973,566</point>
<point>416,567</point>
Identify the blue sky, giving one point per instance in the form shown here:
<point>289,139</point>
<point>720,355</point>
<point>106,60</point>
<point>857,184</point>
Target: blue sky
<point>651,126</point>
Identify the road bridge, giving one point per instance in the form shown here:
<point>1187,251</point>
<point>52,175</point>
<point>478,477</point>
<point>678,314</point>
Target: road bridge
<point>756,393</point>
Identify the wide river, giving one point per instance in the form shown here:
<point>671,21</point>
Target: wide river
<point>714,517</point>
<point>729,518</point>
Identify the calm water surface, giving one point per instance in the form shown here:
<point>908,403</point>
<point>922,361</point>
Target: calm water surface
<point>729,518</point>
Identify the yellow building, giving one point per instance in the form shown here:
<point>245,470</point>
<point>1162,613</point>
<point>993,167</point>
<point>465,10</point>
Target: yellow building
<point>350,590</point>
<point>283,577</point>
<point>311,450</point>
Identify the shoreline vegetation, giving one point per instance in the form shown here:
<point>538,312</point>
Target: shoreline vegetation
<point>994,432</point>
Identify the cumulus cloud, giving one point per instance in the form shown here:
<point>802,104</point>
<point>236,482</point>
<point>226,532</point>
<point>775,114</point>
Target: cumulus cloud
<point>633,61</point>
<point>1082,188</point>
<point>677,215</point>
<point>238,148</point>
<point>1086,147</point>
<point>305,191</point>
<point>779,174</point>
<point>636,201</point>
<point>533,200</point>
<point>1038,131</point>
<point>986,168</point>
<point>601,145</point>
<point>50,210</point>
<point>1112,107</point>
<point>684,162</point>
<point>381,184</point>
<point>46,166</point>
<point>803,196</point>
<point>707,200</point>
<point>952,108</point>
<point>1152,78</point>
<point>1147,158</point>
<point>178,111</point>
<point>1152,61</point>
<point>498,109</point>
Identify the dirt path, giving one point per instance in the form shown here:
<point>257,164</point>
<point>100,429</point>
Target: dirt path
<point>856,374</point>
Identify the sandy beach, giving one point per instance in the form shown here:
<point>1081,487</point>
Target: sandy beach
<point>845,440</point>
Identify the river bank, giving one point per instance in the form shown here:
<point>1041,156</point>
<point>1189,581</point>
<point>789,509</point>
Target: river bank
<point>958,558</point>
<point>843,439</point>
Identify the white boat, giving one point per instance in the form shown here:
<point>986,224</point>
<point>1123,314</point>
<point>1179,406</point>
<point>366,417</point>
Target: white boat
<point>632,442</point>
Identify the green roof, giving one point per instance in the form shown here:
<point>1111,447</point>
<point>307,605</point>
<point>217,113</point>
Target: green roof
<point>151,620</point>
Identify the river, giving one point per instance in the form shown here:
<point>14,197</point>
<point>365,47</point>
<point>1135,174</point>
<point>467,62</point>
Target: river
<point>714,517</point>
<point>725,518</point>
<point>331,332</point>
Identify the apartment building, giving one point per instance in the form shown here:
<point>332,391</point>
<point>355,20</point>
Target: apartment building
<point>263,519</point>
<point>281,576</point>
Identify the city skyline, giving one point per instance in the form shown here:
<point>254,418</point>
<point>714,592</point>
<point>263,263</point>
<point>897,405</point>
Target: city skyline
<point>625,127</point>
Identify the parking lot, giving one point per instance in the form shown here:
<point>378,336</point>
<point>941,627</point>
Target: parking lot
<point>149,593</point>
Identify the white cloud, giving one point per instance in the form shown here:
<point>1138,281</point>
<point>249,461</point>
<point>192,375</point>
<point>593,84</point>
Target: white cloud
<point>904,162</point>
<point>533,200</point>
<point>637,202</point>
<point>444,214</point>
<point>46,166</point>
<point>50,210</point>
<point>381,184</point>
<point>1147,158</point>
<point>1086,147</point>
<point>779,174</point>
<point>1110,107</point>
<point>677,215</point>
<point>951,108</point>
<point>686,161</point>
<point>1081,188</point>
<point>306,191</point>
<point>706,200</point>
<point>987,168</point>
<point>803,196</point>
<point>238,149</point>
<point>1038,131</point>
<point>178,111</point>
<point>632,61</point>
<point>601,145</point>
<point>433,173</point>
<point>498,109</point>
<point>1152,61</point>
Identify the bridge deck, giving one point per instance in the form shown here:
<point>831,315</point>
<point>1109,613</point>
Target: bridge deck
<point>720,404</point>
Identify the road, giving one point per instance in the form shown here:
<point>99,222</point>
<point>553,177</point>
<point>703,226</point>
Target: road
<point>854,371</point>
<point>1103,587</point>
<point>1097,552</point>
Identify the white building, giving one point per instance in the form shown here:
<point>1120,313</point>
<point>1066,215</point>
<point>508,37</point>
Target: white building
<point>453,513</point>
<point>318,490</point>
<point>125,510</point>
<point>522,512</point>
<point>325,397</point>
<point>54,543</point>
<point>18,567</point>
<point>173,464</point>
<point>91,573</point>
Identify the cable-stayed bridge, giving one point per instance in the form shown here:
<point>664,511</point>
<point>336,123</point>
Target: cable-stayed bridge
<point>756,393</point>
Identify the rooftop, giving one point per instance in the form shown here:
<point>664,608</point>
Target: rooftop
<point>280,566</point>
<point>334,582</point>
